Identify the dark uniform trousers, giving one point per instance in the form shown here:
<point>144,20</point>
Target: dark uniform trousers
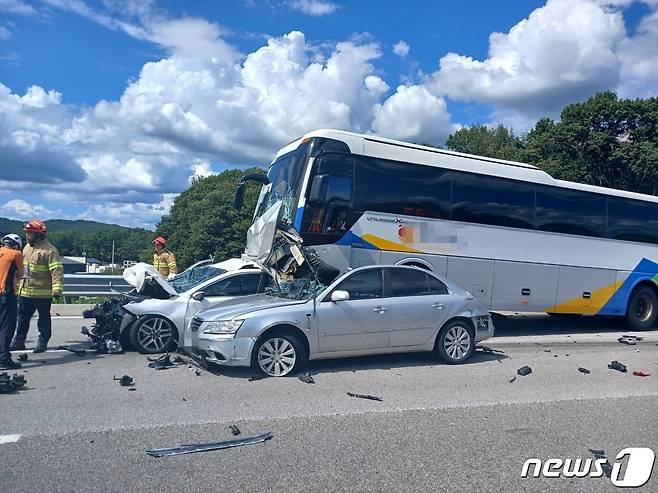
<point>26,308</point>
<point>7,324</point>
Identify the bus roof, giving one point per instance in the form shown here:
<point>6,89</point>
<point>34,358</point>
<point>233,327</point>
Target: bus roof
<point>374,146</point>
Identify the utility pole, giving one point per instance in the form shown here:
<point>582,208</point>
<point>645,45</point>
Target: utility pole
<point>112,256</point>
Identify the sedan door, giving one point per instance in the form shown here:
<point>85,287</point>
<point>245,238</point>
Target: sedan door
<point>419,303</point>
<point>362,322</point>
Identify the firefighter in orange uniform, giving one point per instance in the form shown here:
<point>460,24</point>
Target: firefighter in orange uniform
<point>11,268</point>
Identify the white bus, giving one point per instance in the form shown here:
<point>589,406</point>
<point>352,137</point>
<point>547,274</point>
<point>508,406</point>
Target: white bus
<point>508,232</point>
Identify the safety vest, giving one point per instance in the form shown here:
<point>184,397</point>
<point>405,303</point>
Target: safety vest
<point>165,263</point>
<point>45,274</point>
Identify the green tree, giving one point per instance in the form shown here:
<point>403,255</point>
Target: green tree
<point>497,142</point>
<point>603,141</point>
<point>203,223</point>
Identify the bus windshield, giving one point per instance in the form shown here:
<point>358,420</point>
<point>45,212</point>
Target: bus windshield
<point>285,177</point>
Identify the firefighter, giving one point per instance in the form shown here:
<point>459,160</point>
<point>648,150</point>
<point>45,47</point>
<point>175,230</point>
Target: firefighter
<point>43,281</point>
<point>163,260</point>
<point>11,268</point>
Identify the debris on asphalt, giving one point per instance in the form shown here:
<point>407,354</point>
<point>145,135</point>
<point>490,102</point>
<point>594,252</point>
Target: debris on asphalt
<point>235,430</point>
<point>205,447</point>
<point>524,370</point>
<point>639,373</point>
<point>626,340</point>
<point>365,396</point>
<point>583,370</point>
<point>124,381</point>
<point>512,379</point>
<point>22,357</point>
<point>635,338</point>
<point>487,349</point>
<point>555,355</point>
<point>161,363</point>
<point>77,349</point>
<point>257,377</point>
<point>132,389</point>
<point>9,385</point>
<point>616,365</point>
<point>547,350</point>
<point>306,378</point>
<point>600,454</point>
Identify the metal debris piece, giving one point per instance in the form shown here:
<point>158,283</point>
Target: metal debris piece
<point>616,365</point>
<point>365,396</point>
<point>22,357</point>
<point>124,381</point>
<point>547,350</point>
<point>132,388</point>
<point>76,349</point>
<point>583,370</point>
<point>9,385</point>
<point>636,338</point>
<point>524,370</point>
<point>205,447</point>
<point>600,454</point>
<point>235,430</point>
<point>161,363</point>
<point>306,378</point>
<point>487,349</point>
<point>512,379</point>
<point>639,373</point>
<point>625,340</point>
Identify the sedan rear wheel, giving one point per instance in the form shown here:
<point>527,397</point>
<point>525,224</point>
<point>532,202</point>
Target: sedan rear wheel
<point>153,334</point>
<point>278,355</point>
<point>455,342</point>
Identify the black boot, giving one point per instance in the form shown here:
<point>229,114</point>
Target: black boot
<point>42,345</point>
<point>9,365</point>
<point>17,345</point>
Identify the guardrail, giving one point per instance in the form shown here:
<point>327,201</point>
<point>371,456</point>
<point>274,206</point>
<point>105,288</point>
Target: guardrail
<point>76,285</point>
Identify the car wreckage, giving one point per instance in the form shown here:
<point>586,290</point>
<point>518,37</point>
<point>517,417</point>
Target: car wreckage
<point>152,317</point>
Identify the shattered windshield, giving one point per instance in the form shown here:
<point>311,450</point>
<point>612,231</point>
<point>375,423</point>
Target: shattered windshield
<point>194,276</point>
<point>285,179</point>
<point>298,289</point>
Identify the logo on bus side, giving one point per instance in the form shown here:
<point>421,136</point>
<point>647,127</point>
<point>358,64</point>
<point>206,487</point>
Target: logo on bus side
<point>638,468</point>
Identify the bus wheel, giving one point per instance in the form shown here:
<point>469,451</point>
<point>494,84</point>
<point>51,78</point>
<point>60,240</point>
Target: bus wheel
<point>642,309</point>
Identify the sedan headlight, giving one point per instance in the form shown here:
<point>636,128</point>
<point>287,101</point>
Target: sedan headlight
<point>222,326</point>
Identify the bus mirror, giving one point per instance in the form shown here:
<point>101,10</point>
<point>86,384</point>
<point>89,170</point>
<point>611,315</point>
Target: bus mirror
<point>239,196</point>
<point>318,189</point>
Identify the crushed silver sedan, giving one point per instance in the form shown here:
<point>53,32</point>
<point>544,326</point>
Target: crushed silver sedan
<point>369,310</point>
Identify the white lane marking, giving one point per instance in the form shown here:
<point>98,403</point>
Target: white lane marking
<point>48,351</point>
<point>8,439</point>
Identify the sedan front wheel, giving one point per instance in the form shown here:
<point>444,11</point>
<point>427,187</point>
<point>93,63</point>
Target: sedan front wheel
<point>153,334</point>
<point>278,355</point>
<point>455,342</point>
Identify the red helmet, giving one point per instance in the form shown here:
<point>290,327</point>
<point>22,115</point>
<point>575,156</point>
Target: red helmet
<point>35,225</point>
<point>160,240</point>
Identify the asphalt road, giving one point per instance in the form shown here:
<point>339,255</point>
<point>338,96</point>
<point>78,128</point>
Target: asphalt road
<point>438,427</point>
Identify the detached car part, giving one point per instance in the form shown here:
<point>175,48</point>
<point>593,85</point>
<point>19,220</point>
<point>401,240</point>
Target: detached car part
<point>365,396</point>
<point>191,449</point>
<point>9,385</point>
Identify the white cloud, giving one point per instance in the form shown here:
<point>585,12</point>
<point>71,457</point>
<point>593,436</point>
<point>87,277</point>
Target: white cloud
<point>5,33</point>
<point>563,52</point>
<point>21,210</point>
<point>17,7</point>
<point>639,57</point>
<point>313,7</point>
<point>139,215</point>
<point>413,114</point>
<point>401,49</point>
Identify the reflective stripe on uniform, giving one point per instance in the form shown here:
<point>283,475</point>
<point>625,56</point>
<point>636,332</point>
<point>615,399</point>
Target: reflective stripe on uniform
<point>37,267</point>
<point>54,266</point>
<point>35,292</point>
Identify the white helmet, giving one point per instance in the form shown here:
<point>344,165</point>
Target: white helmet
<point>12,239</point>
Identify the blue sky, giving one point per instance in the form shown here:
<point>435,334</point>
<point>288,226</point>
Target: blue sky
<point>108,107</point>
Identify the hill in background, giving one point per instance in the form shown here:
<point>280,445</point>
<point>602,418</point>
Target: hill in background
<point>76,238</point>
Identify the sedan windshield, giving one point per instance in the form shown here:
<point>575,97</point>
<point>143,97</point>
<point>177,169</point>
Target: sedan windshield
<point>194,276</point>
<point>298,289</point>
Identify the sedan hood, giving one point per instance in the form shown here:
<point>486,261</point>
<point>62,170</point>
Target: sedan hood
<point>148,281</point>
<point>230,309</point>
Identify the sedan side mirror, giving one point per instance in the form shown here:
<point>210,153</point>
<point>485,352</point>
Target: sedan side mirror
<point>198,296</point>
<point>340,295</point>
